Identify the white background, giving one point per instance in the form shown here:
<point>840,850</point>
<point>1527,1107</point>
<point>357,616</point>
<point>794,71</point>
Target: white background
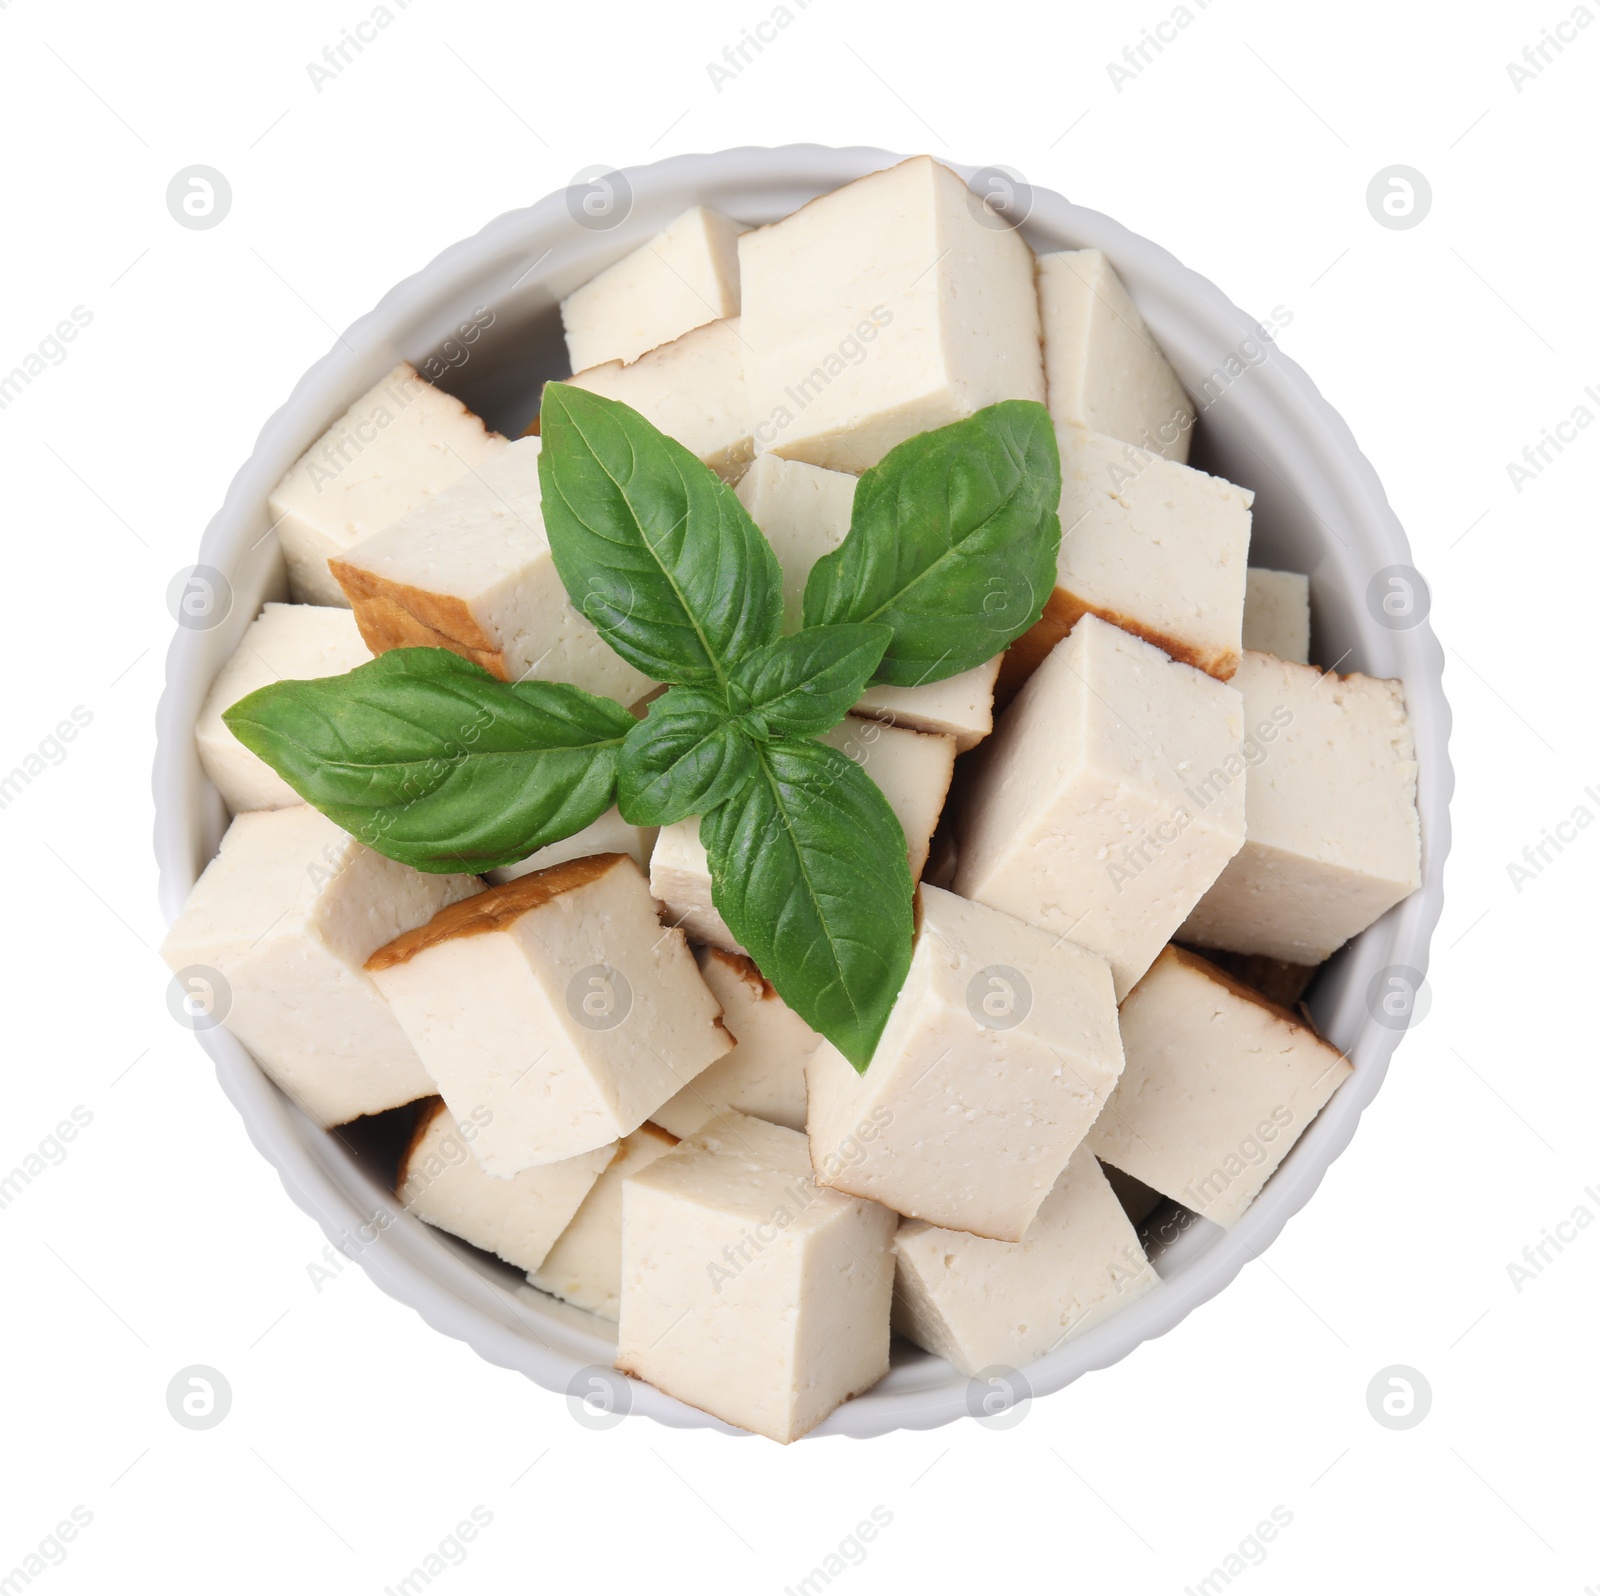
<point>358,1437</point>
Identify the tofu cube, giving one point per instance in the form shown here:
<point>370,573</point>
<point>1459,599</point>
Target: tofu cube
<point>471,571</point>
<point>748,1290</point>
<point>685,276</point>
<point>1277,613</point>
<point>1109,799</point>
<point>691,389</point>
<point>1332,838</point>
<point>805,513</point>
<point>912,770</point>
<point>981,1304</point>
<point>517,1219</point>
<point>1219,1085</point>
<point>999,1052</point>
<point>390,452</point>
<point>1153,547</point>
<point>888,307</point>
<point>765,1074</point>
<point>556,1005</point>
<point>1102,367</point>
<point>609,834</point>
<point>584,1267</point>
<point>287,913</point>
<point>285,642</point>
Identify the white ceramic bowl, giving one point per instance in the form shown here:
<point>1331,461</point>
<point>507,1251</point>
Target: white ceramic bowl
<point>1319,509</point>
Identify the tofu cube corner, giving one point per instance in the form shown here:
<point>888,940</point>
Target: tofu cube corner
<point>287,914</point>
<point>442,1183</point>
<point>1110,797</point>
<point>980,1303</point>
<point>999,1053</point>
<point>1332,835</point>
<point>1219,1086</point>
<point>748,1290</point>
<point>891,306</point>
<point>391,451</point>
<point>555,1009</point>
<point>471,570</point>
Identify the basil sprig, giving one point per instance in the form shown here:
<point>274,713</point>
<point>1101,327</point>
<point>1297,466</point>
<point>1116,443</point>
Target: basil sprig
<point>427,758</point>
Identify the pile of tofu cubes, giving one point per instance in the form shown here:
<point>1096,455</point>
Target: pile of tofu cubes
<point>608,1093</point>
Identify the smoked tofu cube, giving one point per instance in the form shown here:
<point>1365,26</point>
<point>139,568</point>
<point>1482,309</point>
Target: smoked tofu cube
<point>1153,547</point>
<point>888,307</point>
<point>1109,798</point>
<point>912,770</point>
<point>999,1052</point>
<point>1218,1087</point>
<point>691,389</point>
<point>685,276</point>
<point>805,513</point>
<point>1332,839</point>
<point>1277,613</point>
<point>1103,369</point>
<point>609,834</point>
<point>981,1304</point>
<point>471,571</point>
<point>390,452</point>
<point>748,1290</point>
<point>285,642</point>
<point>517,1219</point>
<point>584,1267</point>
<point>287,913</point>
<point>553,1011</point>
<point>765,1074</point>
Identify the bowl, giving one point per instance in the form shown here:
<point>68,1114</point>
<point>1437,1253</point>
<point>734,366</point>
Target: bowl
<point>1319,509</point>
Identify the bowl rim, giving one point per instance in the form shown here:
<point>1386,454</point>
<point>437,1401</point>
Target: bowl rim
<point>404,1258</point>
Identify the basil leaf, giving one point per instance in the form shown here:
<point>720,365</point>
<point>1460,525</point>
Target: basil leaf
<point>952,543</point>
<point>808,868</point>
<point>427,758</point>
<point>806,683</point>
<point>652,547</point>
<point>684,758</point>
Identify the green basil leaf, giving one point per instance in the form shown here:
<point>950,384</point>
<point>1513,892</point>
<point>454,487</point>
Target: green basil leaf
<point>808,869</point>
<point>652,547</point>
<point>806,683</point>
<point>685,757</point>
<point>952,543</point>
<point>427,758</point>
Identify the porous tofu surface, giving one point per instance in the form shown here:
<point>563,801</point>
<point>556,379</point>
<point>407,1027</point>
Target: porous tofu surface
<point>1154,547</point>
<point>288,912</point>
<point>519,1219</point>
<point>999,1053</point>
<point>748,1290</point>
<point>1332,835</point>
<point>765,1074</point>
<point>1103,369</point>
<point>685,276</point>
<point>558,1003</point>
<point>584,1266</point>
<point>1277,613</point>
<point>1109,798</point>
<point>1219,1085</point>
<point>471,571</point>
<point>691,389</point>
<point>391,451</point>
<point>982,1304</point>
<point>285,642</point>
<point>881,310</point>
